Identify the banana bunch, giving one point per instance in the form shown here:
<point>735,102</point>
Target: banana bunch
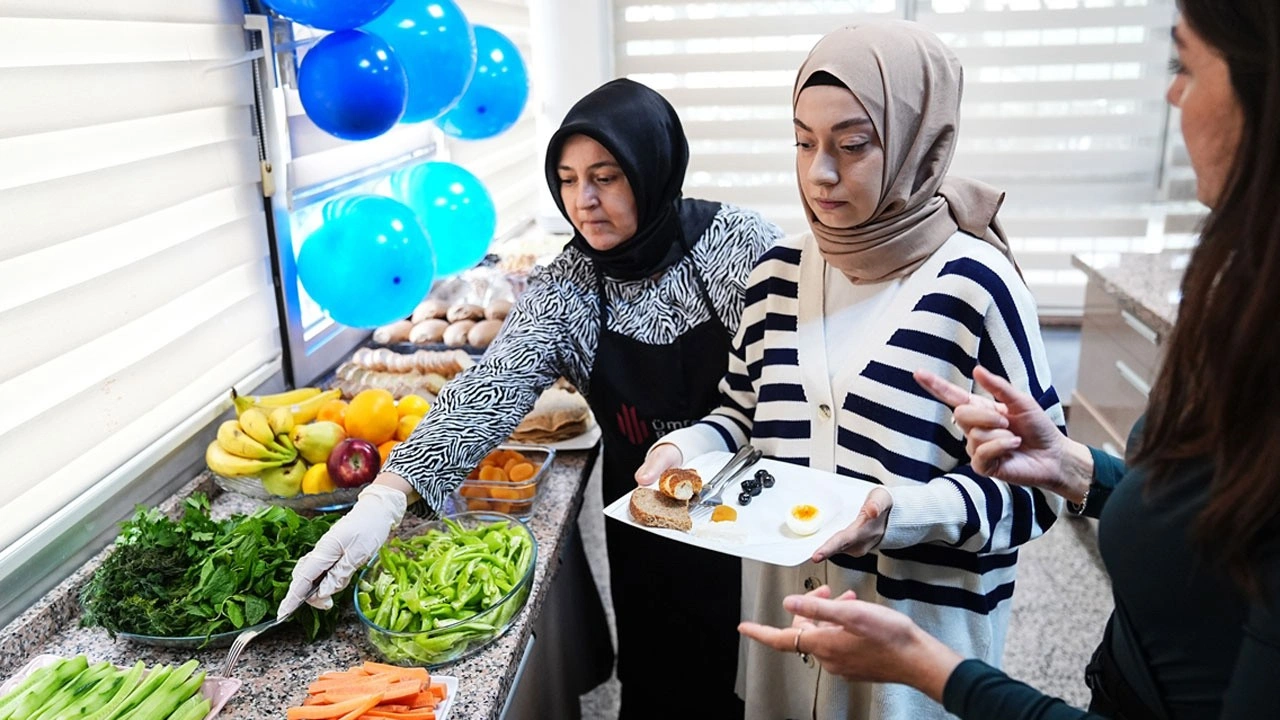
<point>303,403</point>
<point>257,441</point>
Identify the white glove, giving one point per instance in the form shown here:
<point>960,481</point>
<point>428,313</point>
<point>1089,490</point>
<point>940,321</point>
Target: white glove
<point>345,548</point>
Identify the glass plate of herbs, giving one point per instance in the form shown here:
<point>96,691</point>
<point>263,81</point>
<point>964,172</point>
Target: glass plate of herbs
<point>197,582</point>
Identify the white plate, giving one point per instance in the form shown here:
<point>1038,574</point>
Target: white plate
<point>450,691</point>
<point>762,523</point>
<point>217,689</point>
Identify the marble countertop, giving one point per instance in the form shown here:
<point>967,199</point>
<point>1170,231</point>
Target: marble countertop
<point>1146,284</point>
<point>277,667</point>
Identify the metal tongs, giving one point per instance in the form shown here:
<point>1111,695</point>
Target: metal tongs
<point>704,502</point>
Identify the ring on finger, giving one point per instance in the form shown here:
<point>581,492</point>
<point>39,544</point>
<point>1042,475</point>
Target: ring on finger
<point>804,656</point>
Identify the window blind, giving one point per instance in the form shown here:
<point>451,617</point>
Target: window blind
<point>1063,108</point>
<point>508,163</point>
<point>135,287</point>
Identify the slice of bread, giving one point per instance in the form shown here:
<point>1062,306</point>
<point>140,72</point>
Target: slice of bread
<point>653,509</point>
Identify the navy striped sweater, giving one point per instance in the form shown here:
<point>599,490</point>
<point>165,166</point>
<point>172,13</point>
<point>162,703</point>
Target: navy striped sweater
<point>949,553</point>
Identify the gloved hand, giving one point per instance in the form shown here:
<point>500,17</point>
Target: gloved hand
<point>345,548</point>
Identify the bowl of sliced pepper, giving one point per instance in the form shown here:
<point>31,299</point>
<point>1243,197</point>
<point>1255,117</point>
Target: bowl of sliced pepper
<point>445,593</point>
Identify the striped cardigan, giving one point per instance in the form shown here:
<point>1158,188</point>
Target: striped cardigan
<point>949,552</point>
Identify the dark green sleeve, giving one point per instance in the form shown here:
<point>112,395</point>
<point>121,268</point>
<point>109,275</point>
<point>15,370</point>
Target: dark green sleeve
<point>1107,471</point>
<point>1251,693</point>
<point>977,691</point>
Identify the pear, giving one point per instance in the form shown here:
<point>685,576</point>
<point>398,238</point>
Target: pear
<point>284,481</point>
<point>316,440</point>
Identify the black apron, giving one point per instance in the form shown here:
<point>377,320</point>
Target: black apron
<point>677,606</point>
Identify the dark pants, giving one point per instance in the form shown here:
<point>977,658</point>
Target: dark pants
<point>677,609</point>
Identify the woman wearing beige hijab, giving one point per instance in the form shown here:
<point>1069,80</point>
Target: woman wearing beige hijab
<point>904,268</point>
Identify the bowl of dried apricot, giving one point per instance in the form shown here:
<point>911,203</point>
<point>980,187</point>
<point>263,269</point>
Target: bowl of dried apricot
<point>508,480</point>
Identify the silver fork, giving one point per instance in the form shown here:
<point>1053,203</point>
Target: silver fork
<point>738,465</point>
<point>243,639</point>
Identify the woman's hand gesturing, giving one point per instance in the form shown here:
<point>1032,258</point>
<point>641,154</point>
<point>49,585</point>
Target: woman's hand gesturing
<point>1011,438</point>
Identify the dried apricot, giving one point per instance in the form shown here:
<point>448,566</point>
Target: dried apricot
<point>490,473</point>
<point>520,472</point>
<point>724,513</point>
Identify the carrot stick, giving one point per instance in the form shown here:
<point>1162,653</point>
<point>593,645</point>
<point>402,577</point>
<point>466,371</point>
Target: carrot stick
<point>322,712</point>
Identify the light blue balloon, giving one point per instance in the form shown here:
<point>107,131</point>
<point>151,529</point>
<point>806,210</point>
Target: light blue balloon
<point>352,85</point>
<point>497,93</point>
<point>435,42</point>
<point>369,264</point>
<point>329,14</point>
<point>455,208</point>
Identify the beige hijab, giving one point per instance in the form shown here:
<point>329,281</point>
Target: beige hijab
<point>910,84</point>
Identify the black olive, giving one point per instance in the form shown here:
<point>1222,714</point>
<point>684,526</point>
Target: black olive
<point>756,489</point>
<point>744,498</point>
<point>761,474</point>
<point>748,484</point>
<point>767,480</point>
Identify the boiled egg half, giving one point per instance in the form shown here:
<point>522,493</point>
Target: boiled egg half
<point>804,519</point>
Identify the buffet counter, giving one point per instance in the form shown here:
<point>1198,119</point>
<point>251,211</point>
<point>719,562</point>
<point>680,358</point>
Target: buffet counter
<point>277,667</point>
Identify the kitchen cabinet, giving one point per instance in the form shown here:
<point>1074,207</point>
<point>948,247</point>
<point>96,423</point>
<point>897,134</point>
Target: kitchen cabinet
<point>1130,305</point>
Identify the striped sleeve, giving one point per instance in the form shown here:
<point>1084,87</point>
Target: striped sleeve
<point>729,426</point>
<point>478,410</point>
<point>961,508</point>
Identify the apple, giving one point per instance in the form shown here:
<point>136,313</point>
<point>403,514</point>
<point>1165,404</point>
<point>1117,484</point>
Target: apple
<point>354,462</point>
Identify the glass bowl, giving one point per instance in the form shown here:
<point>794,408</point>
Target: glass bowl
<point>251,486</point>
<point>194,642</point>
<point>505,496</point>
<point>448,639</point>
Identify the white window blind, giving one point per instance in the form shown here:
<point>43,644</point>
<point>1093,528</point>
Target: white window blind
<point>508,163</point>
<point>1063,108</point>
<point>135,287</point>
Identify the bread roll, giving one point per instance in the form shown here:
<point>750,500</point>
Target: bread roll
<point>680,484</point>
<point>456,334</point>
<point>427,310</point>
<point>498,310</point>
<point>483,333</point>
<point>464,311</point>
<point>396,332</point>
<point>428,331</point>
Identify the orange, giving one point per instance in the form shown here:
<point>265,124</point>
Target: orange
<point>405,428</point>
<point>413,405</point>
<point>372,416</point>
<point>334,411</point>
<point>385,449</point>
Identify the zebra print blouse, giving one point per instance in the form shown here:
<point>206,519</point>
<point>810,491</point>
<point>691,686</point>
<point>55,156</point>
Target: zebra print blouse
<point>552,332</point>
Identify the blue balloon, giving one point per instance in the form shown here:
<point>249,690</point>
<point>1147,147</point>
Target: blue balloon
<point>438,48</point>
<point>455,208</point>
<point>497,93</point>
<point>370,264</point>
<point>329,14</point>
<point>352,85</point>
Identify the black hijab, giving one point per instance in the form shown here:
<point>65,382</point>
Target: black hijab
<point>642,131</point>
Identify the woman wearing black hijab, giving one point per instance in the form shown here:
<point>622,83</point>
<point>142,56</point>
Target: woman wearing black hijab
<point>638,312</point>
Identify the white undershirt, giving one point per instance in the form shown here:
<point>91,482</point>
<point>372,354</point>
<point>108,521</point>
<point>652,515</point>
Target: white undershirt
<point>848,310</point>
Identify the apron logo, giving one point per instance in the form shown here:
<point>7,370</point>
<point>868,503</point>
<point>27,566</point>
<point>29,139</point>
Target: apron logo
<point>629,422</point>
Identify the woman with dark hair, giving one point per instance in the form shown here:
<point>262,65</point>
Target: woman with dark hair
<point>638,313</point>
<point>1190,524</point>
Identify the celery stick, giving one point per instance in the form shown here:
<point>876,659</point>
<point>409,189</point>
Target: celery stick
<point>132,678</point>
<point>73,690</point>
<point>41,692</point>
<point>8,702</point>
<point>162,702</point>
<point>195,708</point>
<point>140,693</point>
